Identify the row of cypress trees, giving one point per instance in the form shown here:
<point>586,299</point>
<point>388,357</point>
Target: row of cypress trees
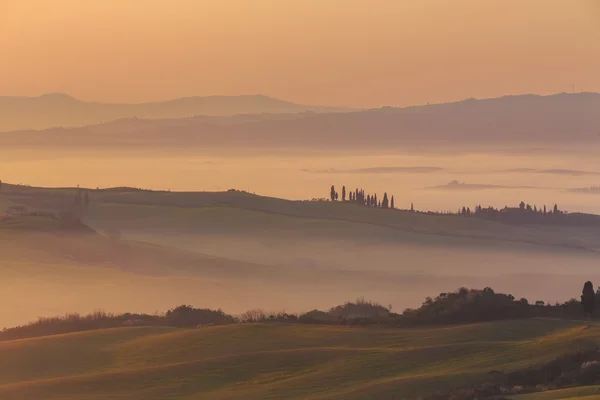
<point>360,197</point>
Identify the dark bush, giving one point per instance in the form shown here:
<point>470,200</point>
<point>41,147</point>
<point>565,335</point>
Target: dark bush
<point>188,316</point>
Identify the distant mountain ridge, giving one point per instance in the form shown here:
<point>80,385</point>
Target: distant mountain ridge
<point>528,120</point>
<point>61,110</point>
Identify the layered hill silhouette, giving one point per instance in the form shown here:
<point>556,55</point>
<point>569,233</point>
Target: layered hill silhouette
<point>61,110</point>
<point>559,119</point>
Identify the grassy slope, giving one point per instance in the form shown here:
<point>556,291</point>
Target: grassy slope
<point>235,212</point>
<point>275,361</point>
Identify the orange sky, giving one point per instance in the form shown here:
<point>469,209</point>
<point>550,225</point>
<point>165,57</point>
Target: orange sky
<point>362,53</point>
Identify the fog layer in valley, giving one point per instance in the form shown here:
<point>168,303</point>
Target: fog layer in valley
<point>276,261</point>
<point>259,252</point>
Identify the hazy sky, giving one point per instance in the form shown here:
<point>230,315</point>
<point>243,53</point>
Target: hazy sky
<point>362,53</point>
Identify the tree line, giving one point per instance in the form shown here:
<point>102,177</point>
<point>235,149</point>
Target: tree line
<point>360,197</point>
<point>458,307</point>
<point>521,210</point>
<point>526,213</point>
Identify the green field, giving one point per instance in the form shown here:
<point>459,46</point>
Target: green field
<point>275,361</point>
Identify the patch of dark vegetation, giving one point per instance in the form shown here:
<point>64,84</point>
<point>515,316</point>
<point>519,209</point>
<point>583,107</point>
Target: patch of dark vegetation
<point>187,316</point>
<point>531,214</point>
<point>73,322</point>
<point>473,305</point>
<point>358,312</point>
<point>459,307</point>
<point>579,368</point>
<point>181,317</point>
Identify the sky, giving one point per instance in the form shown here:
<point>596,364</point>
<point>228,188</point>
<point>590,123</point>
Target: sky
<point>354,53</point>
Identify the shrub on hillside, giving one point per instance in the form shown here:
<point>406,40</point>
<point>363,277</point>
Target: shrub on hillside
<point>74,322</point>
<point>182,316</point>
<point>467,305</point>
<point>260,315</point>
<point>188,316</point>
<point>360,309</point>
<point>315,317</point>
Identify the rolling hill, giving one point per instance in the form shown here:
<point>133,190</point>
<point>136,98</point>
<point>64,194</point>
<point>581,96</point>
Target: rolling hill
<point>274,361</point>
<point>150,250</point>
<point>54,110</point>
<point>241,212</point>
<point>560,120</point>
<point>157,249</point>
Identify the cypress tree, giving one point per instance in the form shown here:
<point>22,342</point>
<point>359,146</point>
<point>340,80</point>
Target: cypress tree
<point>588,298</point>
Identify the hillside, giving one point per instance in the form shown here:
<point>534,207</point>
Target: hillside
<point>559,120</point>
<point>273,361</point>
<point>241,212</point>
<point>54,110</point>
<point>238,251</point>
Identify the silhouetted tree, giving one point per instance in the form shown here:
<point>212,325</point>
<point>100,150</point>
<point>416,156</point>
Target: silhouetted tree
<point>336,196</point>
<point>369,203</point>
<point>392,203</point>
<point>343,193</point>
<point>412,207</point>
<point>588,298</point>
<point>545,213</point>
<point>332,193</point>
<point>385,203</point>
<point>555,209</point>
<point>522,206</point>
